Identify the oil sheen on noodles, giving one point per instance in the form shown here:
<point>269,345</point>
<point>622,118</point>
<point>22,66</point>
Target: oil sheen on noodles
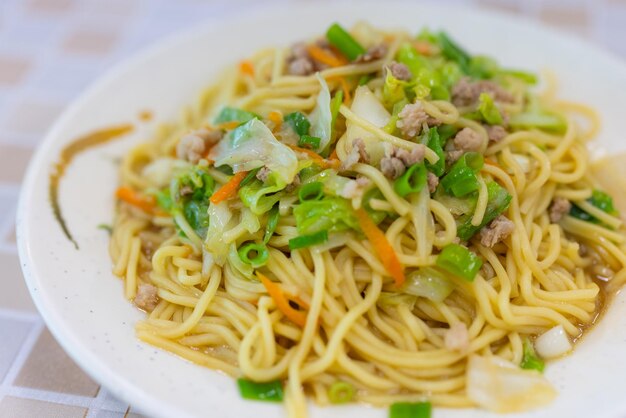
<point>371,312</point>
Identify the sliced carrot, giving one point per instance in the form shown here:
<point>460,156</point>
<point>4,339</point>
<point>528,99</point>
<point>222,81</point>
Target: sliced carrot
<point>282,301</point>
<point>141,201</point>
<point>325,57</point>
<point>229,189</point>
<point>246,67</point>
<point>333,155</point>
<point>316,157</point>
<point>346,90</point>
<point>382,246</point>
<point>423,47</point>
<point>228,125</point>
<point>276,118</point>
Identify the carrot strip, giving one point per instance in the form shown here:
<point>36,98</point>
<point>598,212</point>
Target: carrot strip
<point>282,301</point>
<point>316,157</point>
<point>276,118</point>
<point>423,47</point>
<point>382,246</point>
<point>228,125</point>
<point>246,67</point>
<point>320,55</point>
<point>333,155</point>
<point>130,196</point>
<point>229,189</point>
<point>346,90</point>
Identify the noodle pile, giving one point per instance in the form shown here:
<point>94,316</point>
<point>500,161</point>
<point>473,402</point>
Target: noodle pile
<point>332,312</point>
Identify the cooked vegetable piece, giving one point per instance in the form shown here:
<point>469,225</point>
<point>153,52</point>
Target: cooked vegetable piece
<point>343,41</point>
<point>599,199</point>
<point>304,241</point>
<point>410,410</point>
<point>272,222</point>
<point>254,254</point>
<point>530,360</point>
<point>261,391</point>
<point>312,142</point>
<point>461,179</point>
<point>298,122</point>
<point>340,392</point>
<point>459,261</point>
<point>232,114</point>
<point>412,181</point>
<point>499,200</point>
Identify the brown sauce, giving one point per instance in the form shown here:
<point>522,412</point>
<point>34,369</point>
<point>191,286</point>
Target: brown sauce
<point>65,158</point>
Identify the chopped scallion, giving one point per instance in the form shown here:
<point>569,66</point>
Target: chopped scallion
<point>304,241</point>
<point>412,181</point>
<point>261,391</point>
<point>343,41</point>
<point>307,141</point>
<point>530,360</point>
<point>232,114</point>
<point>254,254</point>
<point>272,222</point>
<point>459,261</point>
<point>298,122</point>
<point>410,410</point>
<point>461,179</point>
<point>340,392</point>
<point>311,191</point>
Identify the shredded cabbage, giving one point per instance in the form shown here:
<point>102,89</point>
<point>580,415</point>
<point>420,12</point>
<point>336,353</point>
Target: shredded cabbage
<point>253,145</point>
<point>219,217</point>
<point>428,283</point>
<point>321,117</point>
<point>330,214</point>
<point>260,197</point>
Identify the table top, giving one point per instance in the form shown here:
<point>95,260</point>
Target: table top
<point>51,50</point>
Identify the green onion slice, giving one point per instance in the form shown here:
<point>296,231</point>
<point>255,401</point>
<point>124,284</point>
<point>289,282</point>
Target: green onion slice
<point>311,191</point>
<point>308,240</point>
<point>410,410</point>
<point>254,254</point>
<point>343,41</point>
<point>459,261</point>
<point>412,181</point>
<point>272,222</point>
<point>307,141</point>
<point>340,392</point>
<point>261,391</point>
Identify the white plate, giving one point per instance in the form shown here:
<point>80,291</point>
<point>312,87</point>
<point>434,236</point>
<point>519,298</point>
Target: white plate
<point>82,301</point>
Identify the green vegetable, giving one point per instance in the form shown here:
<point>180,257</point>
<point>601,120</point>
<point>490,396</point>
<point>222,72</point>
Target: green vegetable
<point>340,392</point>
<point>499,200</point>
<point>335,104</point>
<point>394,90</point>
<point>396,299</point>
<point>435,142</point>
<point>488,110</point>
<point>261,391</point>
<point>272,222</point>
<point>343,41</point>
<point>311,191</point>
<point>453,52</point>
<point>545,120</point>
<point>164,200</point>
<point>446,132</point>
<point>410,410</point>
<point>482,67</point>
<point>194,205</point>
<point>307,141</point>
<point>308,240</point>
<point>599,199</point>
<point>254,254</point>
<point>459,261</point>
<point>365,79</point>
<point>249,177</point>
<point>391,126</point>
<point>525,76</point>
<point>106,227</point>
<point>461,179</point>
<point>332,214</point>
<point>377,216</point>
<point>298,122</point>
<point>530,360</point>
<point>259,196</point>
<point>230,114</point>
<point>429,283</point>
<point>196,213</point>
<point>412,181</point>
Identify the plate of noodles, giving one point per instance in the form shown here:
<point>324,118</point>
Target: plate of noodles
<point>387,210</point>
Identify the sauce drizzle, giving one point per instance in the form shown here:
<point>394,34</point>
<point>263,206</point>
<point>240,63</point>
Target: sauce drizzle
<point>65,158</point>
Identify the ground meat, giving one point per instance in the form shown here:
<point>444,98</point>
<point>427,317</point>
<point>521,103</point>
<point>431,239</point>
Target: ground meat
<point>193,146</point>
<point>496,133</point>
<point>146,298</point>
<point>457,337</point>
<point>467,92</point>
<point>467,140</point>
<point>373,53</point>
<point>299,61</point>
<point>560,206</point>
<point>355,188</point>
<point>411,119</point>
<point>433,182</point>
<point>356,154</point>
<point>263,174</point>
<point>294,184</point>
<point>395,164</point>
<point>185,190</point>
<point>496,231</point>
<point>400,71</point>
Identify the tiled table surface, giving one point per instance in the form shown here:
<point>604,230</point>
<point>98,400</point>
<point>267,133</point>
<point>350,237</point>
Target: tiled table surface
<point>50,50</point>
